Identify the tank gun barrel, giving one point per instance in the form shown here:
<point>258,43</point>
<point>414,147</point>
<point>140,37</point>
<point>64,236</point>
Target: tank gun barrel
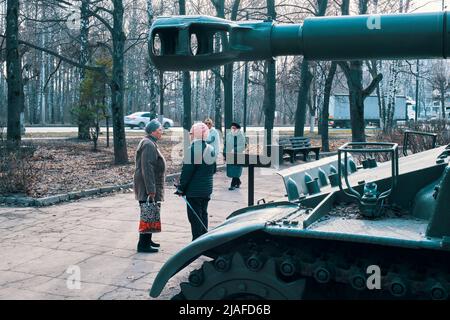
<point>202,42</point>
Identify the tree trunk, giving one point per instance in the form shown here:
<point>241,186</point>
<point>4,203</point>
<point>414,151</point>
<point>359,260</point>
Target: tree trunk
<point>217,100</point>
<point>269,103</point>
<point>14,72</point>
<point>305,81</point>
<point>391,99</point>
<point>228,95</point>
<point>151,68</point>
<point>245,120</point>
<point>302,101</point>
<point>161,92</point>
<point>187,103</point>
<point>197,96</point>
<point>83,128</point>
<point>117,85</point>
<point>228,69</point>
<point>356,99</point>
<point>326,106</point>
<point>354,73</point>
<point>443,91</point>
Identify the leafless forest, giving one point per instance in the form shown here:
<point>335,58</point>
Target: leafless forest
<point>81,62</point>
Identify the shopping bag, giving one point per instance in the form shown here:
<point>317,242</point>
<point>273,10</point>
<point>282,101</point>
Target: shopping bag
<point>150,221</point>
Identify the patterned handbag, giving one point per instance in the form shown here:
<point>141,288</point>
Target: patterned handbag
<point>150,221</point>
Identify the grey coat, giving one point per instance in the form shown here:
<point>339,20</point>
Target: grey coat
<point>150,172</point>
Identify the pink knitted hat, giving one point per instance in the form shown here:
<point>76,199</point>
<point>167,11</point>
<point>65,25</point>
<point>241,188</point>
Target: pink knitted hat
<point>199,131</point>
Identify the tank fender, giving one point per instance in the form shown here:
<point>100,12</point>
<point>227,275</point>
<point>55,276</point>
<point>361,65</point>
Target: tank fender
<point>233,228</point>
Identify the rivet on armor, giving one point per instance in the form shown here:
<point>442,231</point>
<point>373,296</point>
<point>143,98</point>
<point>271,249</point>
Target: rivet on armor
<point>397,288</point>
<point>358,282</point>
<point>322,275</point>
<point>242,287</point>
<point>438,292</point>
<point>221,264</point>
<point>287,268</point>
<point>196,278</point>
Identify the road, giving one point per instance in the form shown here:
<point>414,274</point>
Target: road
<point>174,129</point>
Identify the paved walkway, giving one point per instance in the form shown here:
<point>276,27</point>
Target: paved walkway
<point>39,245</point>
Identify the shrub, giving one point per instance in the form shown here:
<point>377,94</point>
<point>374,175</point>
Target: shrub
<point>17,170</point>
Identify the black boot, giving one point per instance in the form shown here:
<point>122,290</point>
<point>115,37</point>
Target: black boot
<point>154,244</point>
<point>144,244</point>
<point>233,184</point>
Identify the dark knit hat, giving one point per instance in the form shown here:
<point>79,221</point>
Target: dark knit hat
<point>237,125</point>
<point>152,126</point>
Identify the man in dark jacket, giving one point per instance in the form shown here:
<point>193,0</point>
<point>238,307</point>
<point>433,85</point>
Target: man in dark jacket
<point>196,180</point>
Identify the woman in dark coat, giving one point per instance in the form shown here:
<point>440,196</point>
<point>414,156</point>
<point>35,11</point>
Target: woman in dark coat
<point>235,143</point>
<point>196,180</point>
<point>149,179</point>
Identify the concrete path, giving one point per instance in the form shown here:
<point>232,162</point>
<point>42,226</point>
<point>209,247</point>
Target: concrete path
<point>41,248</point>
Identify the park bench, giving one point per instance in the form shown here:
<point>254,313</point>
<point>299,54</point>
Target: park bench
<point>295,145</point>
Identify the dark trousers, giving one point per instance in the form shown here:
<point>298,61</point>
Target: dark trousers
<point>235,182</point>
<point>200,205</point>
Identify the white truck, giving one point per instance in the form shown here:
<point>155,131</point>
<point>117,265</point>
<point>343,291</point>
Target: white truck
<point>340,111</point>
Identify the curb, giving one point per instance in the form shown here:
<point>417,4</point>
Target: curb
<point>75,195</point>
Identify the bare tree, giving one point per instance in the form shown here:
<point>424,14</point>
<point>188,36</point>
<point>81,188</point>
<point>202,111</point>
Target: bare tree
<point>14,72</point>
<point>269,102</point>
<point>357,93</point>
<point>440,82</point>
<point>306,77</point>
<point>326,105</point>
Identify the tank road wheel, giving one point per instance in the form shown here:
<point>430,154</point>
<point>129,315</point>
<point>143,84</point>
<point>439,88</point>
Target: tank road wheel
<point>237,279</point>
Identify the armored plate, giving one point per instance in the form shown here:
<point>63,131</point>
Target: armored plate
<point>406,227</point>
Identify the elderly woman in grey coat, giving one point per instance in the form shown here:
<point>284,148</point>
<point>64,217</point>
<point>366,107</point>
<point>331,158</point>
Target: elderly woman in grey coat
<point>149,179</point>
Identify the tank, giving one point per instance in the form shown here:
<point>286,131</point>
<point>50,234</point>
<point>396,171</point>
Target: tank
<point>367,229</point>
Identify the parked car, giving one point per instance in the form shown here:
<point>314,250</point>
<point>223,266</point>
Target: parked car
<point>140,120</point>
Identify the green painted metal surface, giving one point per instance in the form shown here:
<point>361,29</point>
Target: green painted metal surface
<point>188,42</point>
<point>440,220</point>
<point>236,226</point>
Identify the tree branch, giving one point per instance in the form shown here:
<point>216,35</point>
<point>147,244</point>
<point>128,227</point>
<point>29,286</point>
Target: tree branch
<point>51,75</point>
<point>345,68</point>
<point>97,9</point>
<point>217,74</point>
<point>373,85</point>
<point>67,60</point>
<point>138,40</point>
<point>102,20</point>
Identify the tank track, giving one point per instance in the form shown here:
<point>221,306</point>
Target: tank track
<point>315,269</point>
